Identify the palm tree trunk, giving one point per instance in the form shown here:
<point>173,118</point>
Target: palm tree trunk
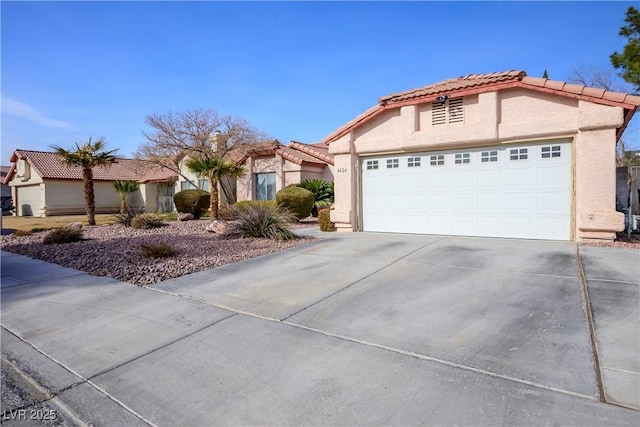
<point>89,198</point>
<point>213,184</point>
<point>123,206</point>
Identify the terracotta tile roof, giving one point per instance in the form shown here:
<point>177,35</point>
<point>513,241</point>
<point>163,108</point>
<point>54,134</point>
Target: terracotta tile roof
<point>298,157</point>
<point>240,153</point>
<point>451,85</point>
<point>478,83</point>
<point>295,152</point>
<point>318,151</point>
<point>47,166</point>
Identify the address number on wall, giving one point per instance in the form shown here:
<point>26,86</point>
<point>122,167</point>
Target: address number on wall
<point>341,170</point>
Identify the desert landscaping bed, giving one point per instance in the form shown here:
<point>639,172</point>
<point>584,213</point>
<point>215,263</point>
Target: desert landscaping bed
<point>114,250</point>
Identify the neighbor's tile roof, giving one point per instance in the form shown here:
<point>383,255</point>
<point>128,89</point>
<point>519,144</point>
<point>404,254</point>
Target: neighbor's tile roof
<point>478,83</point>
<point>48,166</point>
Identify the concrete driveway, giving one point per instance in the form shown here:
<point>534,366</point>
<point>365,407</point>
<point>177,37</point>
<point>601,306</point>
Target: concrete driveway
<point>354,329</point>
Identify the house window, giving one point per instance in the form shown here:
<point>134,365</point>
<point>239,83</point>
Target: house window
<point>393,163</point>
<point>489,156</point>
<point>448,111</point>
<point>548,152</point>
<point>461,158</point>
<point>203,184</point>
<point>518,154</point>
<point>265,186</point>
<point>186,185</point>
<point>372,165</point>
<point>413,162</point>
<point>437,160</point>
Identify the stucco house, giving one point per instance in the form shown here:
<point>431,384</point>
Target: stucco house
<point>495,155</point>
<point>270,166</point>
<point>42,186</point>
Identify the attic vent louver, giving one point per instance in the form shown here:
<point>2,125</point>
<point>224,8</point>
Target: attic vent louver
<point>449,111</point>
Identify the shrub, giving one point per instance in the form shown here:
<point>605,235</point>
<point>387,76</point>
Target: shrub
<point>192,201</point>
<point>298,200</point>
<point>261,221</point>
<point>145,221</point>
<point>324,220</point>
<point>19,233</point>
<point>322,193</point>
<point>62,235</point>
<point>157,250</point>
<point>127,216</point>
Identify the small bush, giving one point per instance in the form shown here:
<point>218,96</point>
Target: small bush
<point>23,233</point>
<point>261,221</point>
<point>298,200</point>
<point>145,221</point>
<point>322,193</point>
<point>157,250</point>
<point>324,220</point>
<point>192,201</point>
<point>126,217</point>
<point>62,235</point>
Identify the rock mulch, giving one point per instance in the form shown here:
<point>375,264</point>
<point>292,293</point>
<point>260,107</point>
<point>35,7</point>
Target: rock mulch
<point>114,250</point>
<point>622,241</point>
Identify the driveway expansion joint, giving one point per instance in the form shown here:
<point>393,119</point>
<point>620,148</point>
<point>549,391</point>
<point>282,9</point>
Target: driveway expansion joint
<point>53,398</point>
<point>586,306</point>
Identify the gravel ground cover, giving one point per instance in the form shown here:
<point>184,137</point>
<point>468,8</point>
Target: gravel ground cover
<point>114,250</point>
<point>622,241</point>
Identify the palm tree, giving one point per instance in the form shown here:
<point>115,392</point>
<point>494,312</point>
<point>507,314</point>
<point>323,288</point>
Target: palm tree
<point>124,188</point>
<point>322,193</point>
<point>87,156</point>
<point>215,169</point>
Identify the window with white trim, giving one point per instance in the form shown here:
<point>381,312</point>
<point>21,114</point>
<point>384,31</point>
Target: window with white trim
<point>489,156</point>
<point>449,111</point>
<point>519,154</point>
<point>552,151</point>
<point>372,165</point>
<point>461,158</point>
<point>413,162</point>
<point>393,163</point>
<point>437,160</point>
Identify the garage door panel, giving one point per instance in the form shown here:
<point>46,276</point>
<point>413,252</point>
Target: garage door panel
<point>525,197</point>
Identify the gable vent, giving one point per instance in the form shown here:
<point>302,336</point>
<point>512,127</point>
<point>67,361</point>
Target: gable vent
<point>438,113</point>
<point>456,110</point>
<point>449,111</point>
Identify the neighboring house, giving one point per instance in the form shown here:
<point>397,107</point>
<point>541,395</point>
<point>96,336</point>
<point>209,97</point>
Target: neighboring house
<point>270,167</point>
<point>6,191</point>
<point>495,155</point>
<point>42,186</point>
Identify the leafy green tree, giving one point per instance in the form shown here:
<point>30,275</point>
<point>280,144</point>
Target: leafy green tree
<point>87,156</point>
<point>124,188</point>
<point>215,169</point>
<point>628,62</point>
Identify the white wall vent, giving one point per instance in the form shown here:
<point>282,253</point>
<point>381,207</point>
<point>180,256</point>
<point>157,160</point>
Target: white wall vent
<point>448,111</point>
<point>23,170</point>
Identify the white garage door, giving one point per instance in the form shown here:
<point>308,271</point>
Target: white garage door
<point>521,191</point>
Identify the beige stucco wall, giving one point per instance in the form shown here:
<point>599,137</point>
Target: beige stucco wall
<point>509,116</point>
<point>65,197</point>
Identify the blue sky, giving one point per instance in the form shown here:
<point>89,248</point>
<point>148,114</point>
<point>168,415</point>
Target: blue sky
<point>295,70</point>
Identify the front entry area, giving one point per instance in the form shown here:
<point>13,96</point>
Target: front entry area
<point>514,191</point>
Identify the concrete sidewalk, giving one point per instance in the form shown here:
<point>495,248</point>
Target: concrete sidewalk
<point>355,329</point>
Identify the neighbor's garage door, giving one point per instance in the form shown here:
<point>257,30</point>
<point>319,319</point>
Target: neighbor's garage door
<point>521,191</point>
